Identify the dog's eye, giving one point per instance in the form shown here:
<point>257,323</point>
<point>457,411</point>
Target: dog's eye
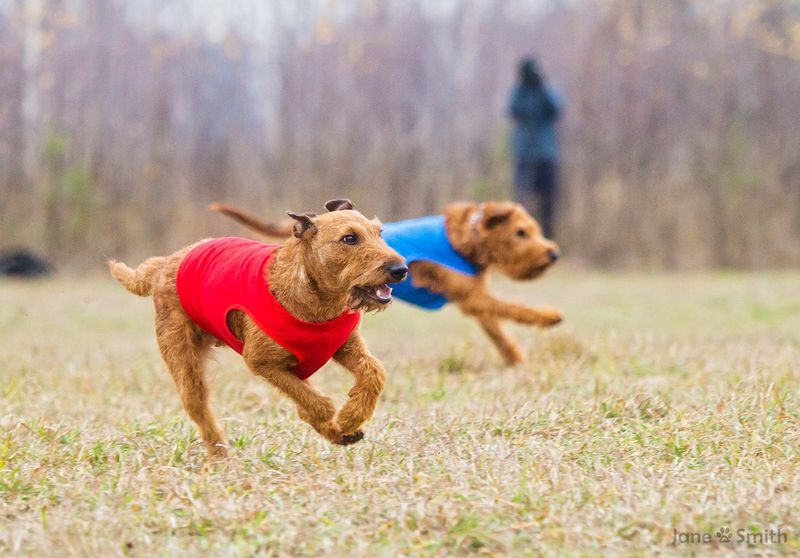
<point>350,239</point>
<point>521,233</point>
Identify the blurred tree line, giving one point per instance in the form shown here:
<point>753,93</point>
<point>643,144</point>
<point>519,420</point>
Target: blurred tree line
<point>681,136</point>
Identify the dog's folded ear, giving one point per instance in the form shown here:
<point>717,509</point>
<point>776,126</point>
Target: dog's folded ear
<point>338,205</point>
<point>305,224</point>
<point>494,214</point>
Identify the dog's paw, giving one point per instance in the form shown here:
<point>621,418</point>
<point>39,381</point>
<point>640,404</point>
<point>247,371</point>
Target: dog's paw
<point>348,439</point>
<point>329,430</point>
<point>548,317</point>
<point>217,450</point>
<point>333,433</point>
<point>513,357</point>
<point>520,362</point>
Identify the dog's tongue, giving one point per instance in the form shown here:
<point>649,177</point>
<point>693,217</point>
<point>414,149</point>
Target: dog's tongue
<point>383,292</point>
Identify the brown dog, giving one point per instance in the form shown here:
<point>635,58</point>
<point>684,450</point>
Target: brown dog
<point>333,264</point>
<point>492,234</point>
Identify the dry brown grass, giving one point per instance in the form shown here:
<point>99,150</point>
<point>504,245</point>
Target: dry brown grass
<point>664,402</point>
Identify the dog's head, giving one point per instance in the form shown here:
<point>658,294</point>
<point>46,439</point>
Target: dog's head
<point>512,240</point>
<point>343,251</point>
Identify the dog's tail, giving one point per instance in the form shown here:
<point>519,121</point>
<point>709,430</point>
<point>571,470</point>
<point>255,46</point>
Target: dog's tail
<point>250,221</point>
<point>139,281</point>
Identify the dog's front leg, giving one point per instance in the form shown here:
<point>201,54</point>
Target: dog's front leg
<point>472,296</point>
<point>482,304</point>
<point>313,406</point>
<point>370,378</point>
<point>507,347</point>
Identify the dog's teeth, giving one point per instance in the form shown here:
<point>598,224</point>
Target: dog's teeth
<point>383,291</point>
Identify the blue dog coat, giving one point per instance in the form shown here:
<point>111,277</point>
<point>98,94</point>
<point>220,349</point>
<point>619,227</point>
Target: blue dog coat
<point>425,239</point>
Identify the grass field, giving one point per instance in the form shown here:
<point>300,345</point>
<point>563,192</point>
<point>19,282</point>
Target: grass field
<point>663,403</point>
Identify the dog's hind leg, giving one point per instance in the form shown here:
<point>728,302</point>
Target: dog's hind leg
<point>185,349</point>
<point>370,379</point>
<point>507,347</point>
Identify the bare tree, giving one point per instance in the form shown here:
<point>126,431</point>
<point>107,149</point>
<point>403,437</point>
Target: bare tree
<point>681,140</point>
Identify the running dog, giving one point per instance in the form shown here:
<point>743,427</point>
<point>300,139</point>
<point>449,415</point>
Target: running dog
<point>287,309</point>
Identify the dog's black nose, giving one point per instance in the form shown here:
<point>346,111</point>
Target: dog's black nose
<point>553,255</point>
<point>398,272</point>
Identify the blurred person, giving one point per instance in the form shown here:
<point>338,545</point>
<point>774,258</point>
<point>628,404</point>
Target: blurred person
<point>534,108</point>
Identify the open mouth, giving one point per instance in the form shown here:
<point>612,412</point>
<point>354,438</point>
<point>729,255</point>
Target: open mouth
<point>379,293</point>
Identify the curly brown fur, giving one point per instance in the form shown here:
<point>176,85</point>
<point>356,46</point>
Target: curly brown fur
<point>495,234</point>
<point>315,276</point>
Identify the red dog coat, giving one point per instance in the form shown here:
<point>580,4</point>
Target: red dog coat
<point>227,274</point>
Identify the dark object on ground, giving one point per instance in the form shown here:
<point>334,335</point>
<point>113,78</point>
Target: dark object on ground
<point>22,263</point>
